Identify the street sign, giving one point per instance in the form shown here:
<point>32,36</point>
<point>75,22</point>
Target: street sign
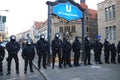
<point>99,37</point>
<point>67,11</point>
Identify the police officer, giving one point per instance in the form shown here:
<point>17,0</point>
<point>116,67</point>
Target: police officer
<point>12,48</point>
<point>56,49</point>
<point>2,55</point>
<point>87,48</point>
<point>106,51</point>
<point>118,50</point>
<point>28,54</point>
<point>76,49</point>
<point>97,47</point>
<point>66,52</point>
<point>113,51</point>
<point>42,48</point>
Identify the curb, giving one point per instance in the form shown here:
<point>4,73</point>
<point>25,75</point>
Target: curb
<point>42,73</point>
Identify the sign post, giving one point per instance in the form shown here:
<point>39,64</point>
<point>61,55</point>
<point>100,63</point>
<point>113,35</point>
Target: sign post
<point>68,10</point>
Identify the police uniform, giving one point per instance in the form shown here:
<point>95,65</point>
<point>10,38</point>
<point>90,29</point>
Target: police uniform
<point>28,54</point>
<point>12,47</point>
<point>76,49</point>
<point>113,53</point>
<point>56,49</point>
<point>97,47</point>
<point>87,48</point>
<point>42,48</point>
<point>2,55</point>
<point>118,50</point>
<point>106,51</point>
<point>66,59</point>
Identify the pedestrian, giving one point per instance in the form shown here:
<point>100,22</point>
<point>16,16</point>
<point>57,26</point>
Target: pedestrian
<point>28,54</point>
<point>2,55</point>
<point>97,48</point>
<point>12,47</point>
<point>56,49</point>
<point>113,51</point>
<point>118,51</point>
<point>106,51</point>
<point>76,49</point>
<point>66,56</point>
<point>87,49</point>
<point>42,49</point>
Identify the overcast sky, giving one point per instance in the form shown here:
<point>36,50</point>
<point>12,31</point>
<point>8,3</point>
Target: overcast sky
<point>23,13</point>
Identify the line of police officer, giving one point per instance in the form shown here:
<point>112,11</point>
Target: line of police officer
<point>62,48</point>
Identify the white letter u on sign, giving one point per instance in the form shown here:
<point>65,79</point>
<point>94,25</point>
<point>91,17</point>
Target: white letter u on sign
<point>68,8</point>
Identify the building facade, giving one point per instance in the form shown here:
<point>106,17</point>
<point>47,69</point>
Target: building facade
<point>109,20</point>
<point>3,29</point>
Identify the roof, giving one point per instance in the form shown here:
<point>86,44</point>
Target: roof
<point>93,13</point>
<point>90,11</point>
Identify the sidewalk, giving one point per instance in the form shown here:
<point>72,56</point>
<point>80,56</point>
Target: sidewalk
<point>93,72</point>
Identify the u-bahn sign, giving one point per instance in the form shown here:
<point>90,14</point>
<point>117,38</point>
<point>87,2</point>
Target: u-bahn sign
<point>67,11</point>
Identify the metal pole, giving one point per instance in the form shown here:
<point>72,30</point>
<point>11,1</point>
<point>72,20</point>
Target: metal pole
<point>49,32</point>
<point>83,33</point>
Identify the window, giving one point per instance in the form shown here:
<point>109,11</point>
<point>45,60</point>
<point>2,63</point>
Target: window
<point>73,28</point>
<point>113,11</point>
<point>114,32</point>
<point>110,32</point>
<point>67,28</point>
<point>110,12</point>
<point>28,35</point>
<point>61,29</point>
<point>106,13</point>
<point>106,30</point>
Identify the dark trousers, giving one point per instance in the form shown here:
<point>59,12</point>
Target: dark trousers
<point>26,65</point>
<point>66,58</point>
<point>97,56</point>
<point>107,54</point>
<point>1,67</point>
<point>76,57</point>
<point>113,55</point>
<point>54,56</point>
<point>9,59</point>
<point>44,55</point>
<point>87,57</point>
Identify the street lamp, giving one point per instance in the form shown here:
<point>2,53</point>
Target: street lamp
<point>5,10</point>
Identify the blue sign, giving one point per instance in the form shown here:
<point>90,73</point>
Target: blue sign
<point>67,11</point>
<point>99,37</point>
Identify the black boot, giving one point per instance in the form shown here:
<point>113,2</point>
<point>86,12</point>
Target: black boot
<point>8,73</point>
<point>17,71</point>
<point>60,66</point>
<point>25,72</point>
<point>1,73</point>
